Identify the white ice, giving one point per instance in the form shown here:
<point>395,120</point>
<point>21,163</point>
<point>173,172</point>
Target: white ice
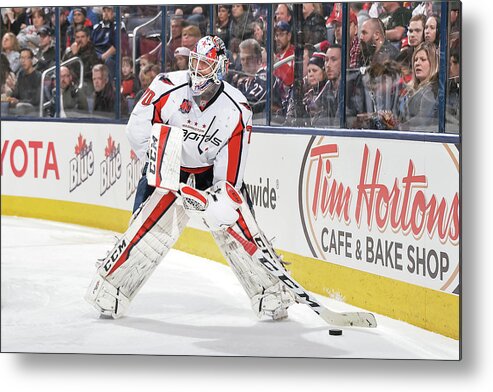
<point>190,306</point>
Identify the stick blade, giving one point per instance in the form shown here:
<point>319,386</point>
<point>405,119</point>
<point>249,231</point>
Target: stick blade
<point>350,319</point>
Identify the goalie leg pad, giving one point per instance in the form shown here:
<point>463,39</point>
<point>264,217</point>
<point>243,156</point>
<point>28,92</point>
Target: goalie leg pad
<point>131,262</point>
<point>106,298</point>
<point>269,298</point>
<point>273,302</point>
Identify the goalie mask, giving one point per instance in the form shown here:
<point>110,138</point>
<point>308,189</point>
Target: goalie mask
<point>207,63</point>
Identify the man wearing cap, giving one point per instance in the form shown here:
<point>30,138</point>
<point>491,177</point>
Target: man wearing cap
<point>103,38</point>
<point>79,18</point>
<point>284,49</point>
<point>180,60</point>
<point>46,53</point>
<point>335,20</point>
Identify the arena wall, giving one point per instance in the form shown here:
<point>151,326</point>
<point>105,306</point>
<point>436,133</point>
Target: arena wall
<point>372,222</point>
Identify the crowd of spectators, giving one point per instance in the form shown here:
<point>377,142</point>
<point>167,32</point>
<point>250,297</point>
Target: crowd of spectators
<point>391,73</point>
<point>28,51</point>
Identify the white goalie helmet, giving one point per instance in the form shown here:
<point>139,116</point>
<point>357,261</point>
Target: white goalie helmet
<point>207,63</point>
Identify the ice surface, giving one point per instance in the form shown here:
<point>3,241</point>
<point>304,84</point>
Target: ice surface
<point>190,306</point>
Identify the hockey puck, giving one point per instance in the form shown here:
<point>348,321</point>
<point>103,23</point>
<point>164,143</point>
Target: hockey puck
<point>335,332</point>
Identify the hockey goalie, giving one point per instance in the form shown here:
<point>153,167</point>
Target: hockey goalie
<point>193,129</point>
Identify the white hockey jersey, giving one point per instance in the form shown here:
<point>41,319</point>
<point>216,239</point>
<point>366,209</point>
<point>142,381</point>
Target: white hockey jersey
<point>217,134</point>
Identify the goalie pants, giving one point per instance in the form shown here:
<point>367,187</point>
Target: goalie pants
<point>203,181</point>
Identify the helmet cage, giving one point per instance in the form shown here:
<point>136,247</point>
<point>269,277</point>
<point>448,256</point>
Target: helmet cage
<point>208,67</point>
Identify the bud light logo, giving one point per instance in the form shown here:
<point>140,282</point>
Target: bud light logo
<point>111,167</point>
<point>134,172</point>
<point>82,166</point>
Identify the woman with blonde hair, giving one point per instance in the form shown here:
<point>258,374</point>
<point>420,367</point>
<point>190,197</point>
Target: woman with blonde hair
<point>11,49</point>
<point>421,104</point>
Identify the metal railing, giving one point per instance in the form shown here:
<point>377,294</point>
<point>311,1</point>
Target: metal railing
<point>47,71</point>
<point>134,38</point>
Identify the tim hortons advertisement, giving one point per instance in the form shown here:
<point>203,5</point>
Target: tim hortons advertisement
<point>387,208</point>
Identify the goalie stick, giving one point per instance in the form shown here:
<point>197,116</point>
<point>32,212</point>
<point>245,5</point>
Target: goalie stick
<point>259,251</point>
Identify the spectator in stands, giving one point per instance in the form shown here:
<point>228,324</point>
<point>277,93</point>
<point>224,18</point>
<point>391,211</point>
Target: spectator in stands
<point>313,85</point>
<point>181,56</point>
<point>104,93</point>
<point>308,51</point>
<point>259,32</point>
<point>130,84</point>
<point>179,12</point>
<point>11,48</point>
<point>46,53</point>
<point>432,30</point>
<point>103,39</point>
<point>253,80</point>
<point>380,97</point>
<point>455,17</point>
<point>354,46</point>
<point>395,21</point>
<point>374,46</point>
<point>83,48</point>
<point>71,97</point>
<point>336,13</point>
<point>190,36</point>
<point>241,22</point>
<point>421,108</point>
<point>146,76</point>
<point>313,25</point>
<point>145,60</point>
<point>223,22</point>
<point>431,7</point>
<point>64,24</point>
<point>284,49</point>
<point>415,35</point>
<point>7,78</point>
<point>284,13</point>
<point>28,36</point>
<point>92,13</point>
<point>328,99</point>
<point>26,95</point>
<point>177,25</point>
<point>453,98</point>
<point>361,12</point>
<point>16,19</point>
<point>79,15</point>
<point>199,20</point>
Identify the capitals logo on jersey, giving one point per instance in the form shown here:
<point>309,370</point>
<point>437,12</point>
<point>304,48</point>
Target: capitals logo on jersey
<point>185,106</point>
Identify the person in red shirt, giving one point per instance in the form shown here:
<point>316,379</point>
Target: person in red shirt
<point>284,49</point>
